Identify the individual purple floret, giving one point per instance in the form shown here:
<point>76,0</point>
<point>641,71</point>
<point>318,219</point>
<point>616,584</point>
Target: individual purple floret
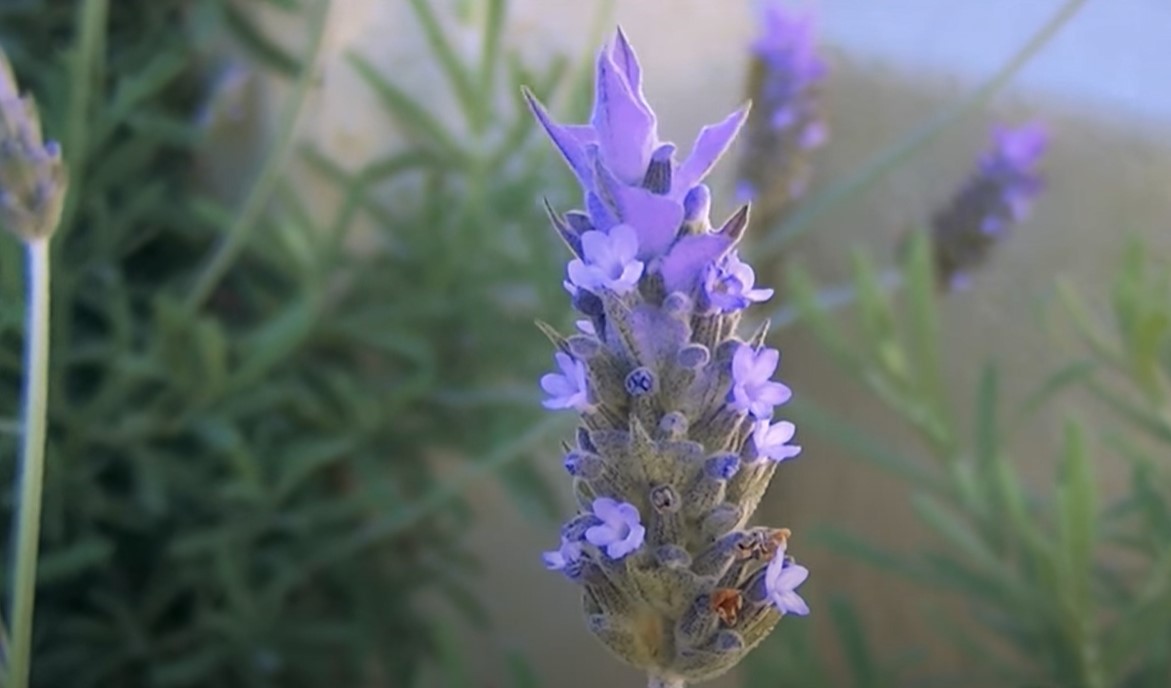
<point>620,532</point>
<point>997,196</point>
<point>608,261</point>
<point>782,580</point>
<point>728,285</point>
<point>564,558</point>
<point>772,439</point>
<point>567,389</point>
<point>667,464</point>
<point>753,389</point>
<point>786,122</point>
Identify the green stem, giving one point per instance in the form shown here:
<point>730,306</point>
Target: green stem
<point>266,182</point>
<point>28,524</point>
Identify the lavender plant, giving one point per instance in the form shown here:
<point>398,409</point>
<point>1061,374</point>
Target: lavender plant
<point>678,437</point>
<point>786,124</point>
<point>238,489</point>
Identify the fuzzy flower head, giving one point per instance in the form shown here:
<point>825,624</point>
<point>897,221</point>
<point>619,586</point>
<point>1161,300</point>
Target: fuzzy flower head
<point>620,531</point>
<point>32,173</point>
<point>567,389</point>
<point>771,440</point>
<point>781,580</point>
<point>995,198</point>
<point>729,285</point>
<point>786,124</point>
<point>666,465</point>
<point>753,390</point>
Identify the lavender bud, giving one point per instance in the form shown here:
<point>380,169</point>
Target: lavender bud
<point>33,178</point>
<point>640,381</point>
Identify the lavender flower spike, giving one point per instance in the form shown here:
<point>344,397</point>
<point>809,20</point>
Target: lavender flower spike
<point>784,80</point>
<point>32,173</point>
<point>674,406</point>
<point>996,197</point>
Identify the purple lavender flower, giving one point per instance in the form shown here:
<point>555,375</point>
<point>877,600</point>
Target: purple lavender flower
<point>782,580</point>
<point>567,389</point>
<point>753,390</point>
<point>564,558</point>
<point>728,285</point>
<point>999,195</point>
<point>620,532</point>
<point>608,261</point>
<point>786,124</point>
<point>664,465</point>
<point>771,440</point>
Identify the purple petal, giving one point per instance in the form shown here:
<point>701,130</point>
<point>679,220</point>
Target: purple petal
<point>599,536</point>
<point>625,127</point>
<point>605,509</point>
<point>689,257</point>
<point>565,140</point>
<point>792,576</point>
<point>655,218</point>
<point>623,55</point>
<point>711,143</point>
<point>792,603</point>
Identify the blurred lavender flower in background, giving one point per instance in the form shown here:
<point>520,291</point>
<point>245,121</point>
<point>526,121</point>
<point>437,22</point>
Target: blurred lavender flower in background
<point>668,464</point>
<point>997,196</point>
<point>786,125</point>
<point>32,172</point>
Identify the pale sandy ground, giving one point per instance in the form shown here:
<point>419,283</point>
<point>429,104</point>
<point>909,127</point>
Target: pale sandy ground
<point>1110,173</point>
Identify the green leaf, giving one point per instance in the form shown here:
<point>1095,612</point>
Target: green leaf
<point>855,647</point>
<point>1056,382</point>
<point>859,442</point>
<point>1077,503</point>
<point>520,670</point>
<point>458,75</point>
<point>307,458</point>
<point>987,439</point>
<point>924,325</point>
<point>261,46</point>
<point>409,114</point>
<point>82,555</point>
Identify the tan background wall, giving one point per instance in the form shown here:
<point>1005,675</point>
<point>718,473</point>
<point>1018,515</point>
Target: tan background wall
<point>1108,176</point>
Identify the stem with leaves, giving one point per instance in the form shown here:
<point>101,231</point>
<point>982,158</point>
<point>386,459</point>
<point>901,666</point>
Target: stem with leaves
<point>28,524</point>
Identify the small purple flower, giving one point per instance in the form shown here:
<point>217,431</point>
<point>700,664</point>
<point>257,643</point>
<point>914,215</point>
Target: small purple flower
<point>609,261</point>
<point>564,558</point>
<point>567,389</point>
<point>772,440</point>
<point>753,390</point>
<point>997,196</point>
<point>729,283</point>
<point>620,532</point>
<point>586,327</point>
<point>781,580</point>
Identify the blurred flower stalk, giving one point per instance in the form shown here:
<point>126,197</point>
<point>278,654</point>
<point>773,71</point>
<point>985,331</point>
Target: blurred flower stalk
<point>32,194</point>
<point>786,124</point>
<point>678,438</point>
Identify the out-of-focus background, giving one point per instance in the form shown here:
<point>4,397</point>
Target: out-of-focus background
<point>1098,85</point>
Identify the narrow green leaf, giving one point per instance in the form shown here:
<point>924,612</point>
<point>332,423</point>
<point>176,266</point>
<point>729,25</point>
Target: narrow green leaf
<point>458,75</point>
<point>924,325</point>
<point>1057,381</point>
<point>520,670</point>
<point>490,50</point>
<point>855,647</point>
<point>268,51</point>
<point>81,555</point>
<point>308,457</point>
<point>409,114</point>
<point>987,439</point>
<point>953,531</point>
<point>861,443</point>
<point>1077,503</point>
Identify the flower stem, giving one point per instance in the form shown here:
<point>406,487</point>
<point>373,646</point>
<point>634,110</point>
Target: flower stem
<point>28,523</point>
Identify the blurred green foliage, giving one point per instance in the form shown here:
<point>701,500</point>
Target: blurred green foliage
<point>1059,587</point>
<point>243,411</point>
